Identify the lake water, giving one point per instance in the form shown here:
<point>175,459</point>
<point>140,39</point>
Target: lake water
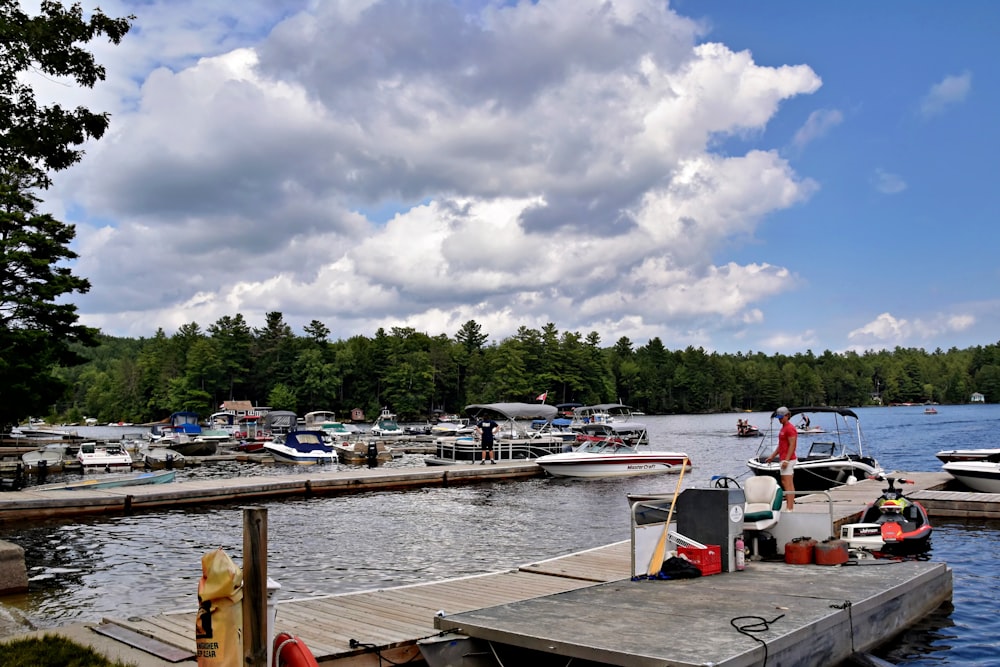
<point>81,571</point>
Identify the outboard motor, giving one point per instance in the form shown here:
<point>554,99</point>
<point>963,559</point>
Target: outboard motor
<point>372,454</point>
<point>43,470</point>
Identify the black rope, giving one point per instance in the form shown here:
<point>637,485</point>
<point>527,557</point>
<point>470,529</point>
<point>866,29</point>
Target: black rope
<point>850,619</point>
<point>760,624</point>
<point>354,643</point>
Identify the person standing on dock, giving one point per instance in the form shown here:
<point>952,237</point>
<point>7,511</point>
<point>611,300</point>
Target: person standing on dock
<point>788,438</point>
<point>485,429</point>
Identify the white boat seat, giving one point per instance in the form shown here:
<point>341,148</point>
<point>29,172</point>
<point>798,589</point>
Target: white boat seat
<point>763,503</point>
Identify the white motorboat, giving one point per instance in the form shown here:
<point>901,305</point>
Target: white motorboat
<point>824,464</point>
<point>949,455</point>
<point>982,476</point>
<point>301,448</point>
<point>612,458</point>
<point>386,426</point>
<point>110,456</point>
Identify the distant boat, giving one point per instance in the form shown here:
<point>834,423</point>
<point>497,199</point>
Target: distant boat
<point>930,411</point>
<point>93,456</point>
<point>162,457</point>
<point>301,448</point>
<point>48,459</point>
<point>386,426</point>
<point>110,481</point>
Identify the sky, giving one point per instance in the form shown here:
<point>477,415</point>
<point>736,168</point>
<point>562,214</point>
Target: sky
<point>769,177</point>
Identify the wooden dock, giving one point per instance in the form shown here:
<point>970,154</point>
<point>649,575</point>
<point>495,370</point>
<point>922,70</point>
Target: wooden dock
<point>585,605</point>
<point>30,505</point>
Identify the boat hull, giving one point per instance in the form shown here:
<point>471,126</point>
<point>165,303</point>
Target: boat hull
<point>982,476</point>
<point>573,464</point>
<point>111,481</point>
<point>951,455</point>
<point>820,475</point>
<point>295,457</point>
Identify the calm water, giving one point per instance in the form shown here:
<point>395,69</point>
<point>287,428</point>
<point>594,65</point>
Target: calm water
<point>141,565</point>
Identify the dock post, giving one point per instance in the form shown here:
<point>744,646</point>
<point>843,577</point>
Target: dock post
<point>255,635</point>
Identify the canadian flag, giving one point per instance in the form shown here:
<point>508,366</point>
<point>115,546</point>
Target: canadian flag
<point>542,396</point>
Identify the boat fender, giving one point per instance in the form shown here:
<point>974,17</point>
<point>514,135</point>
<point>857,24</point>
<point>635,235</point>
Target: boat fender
<point>831,552</point>
<point>291,651</point>
<point>800,551</point>
<point>741,562</point>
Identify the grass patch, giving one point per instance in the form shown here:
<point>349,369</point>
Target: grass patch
<point>52,651</point>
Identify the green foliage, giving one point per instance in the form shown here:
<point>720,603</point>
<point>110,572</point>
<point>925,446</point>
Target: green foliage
<point>38,326</point>
<point>414,374</point>
<point>52,651</point>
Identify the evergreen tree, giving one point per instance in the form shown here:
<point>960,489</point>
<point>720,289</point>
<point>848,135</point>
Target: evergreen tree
<point>37,323</point>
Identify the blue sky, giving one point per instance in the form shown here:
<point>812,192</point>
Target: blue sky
<point>736,176</point>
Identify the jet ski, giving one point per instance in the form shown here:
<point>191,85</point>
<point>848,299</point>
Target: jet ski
<point>892,525</point>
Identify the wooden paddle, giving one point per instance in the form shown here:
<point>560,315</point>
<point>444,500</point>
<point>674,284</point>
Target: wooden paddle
<point>656,562</point>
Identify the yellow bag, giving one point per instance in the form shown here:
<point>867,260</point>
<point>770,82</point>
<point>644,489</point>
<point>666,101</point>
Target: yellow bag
<point>219,627</point>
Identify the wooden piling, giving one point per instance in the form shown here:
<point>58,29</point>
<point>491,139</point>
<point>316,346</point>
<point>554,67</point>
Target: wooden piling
<point>255,639</point>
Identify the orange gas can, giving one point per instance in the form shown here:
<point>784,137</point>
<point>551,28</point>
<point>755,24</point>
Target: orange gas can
<point>800,551</point>
<point>831,552</point>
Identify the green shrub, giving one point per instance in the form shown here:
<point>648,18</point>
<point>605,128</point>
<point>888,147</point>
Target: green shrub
<point>52,651</point>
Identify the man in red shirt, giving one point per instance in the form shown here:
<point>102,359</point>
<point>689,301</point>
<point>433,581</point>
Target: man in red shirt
<point>788,437</point>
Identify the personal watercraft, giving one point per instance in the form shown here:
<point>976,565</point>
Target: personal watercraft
<point>892,524</point>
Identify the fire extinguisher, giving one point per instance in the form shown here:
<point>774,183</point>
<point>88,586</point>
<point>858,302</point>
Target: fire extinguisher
<point>741,561</point>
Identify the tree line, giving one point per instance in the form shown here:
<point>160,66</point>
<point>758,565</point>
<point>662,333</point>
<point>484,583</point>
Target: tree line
<point>415,374</point>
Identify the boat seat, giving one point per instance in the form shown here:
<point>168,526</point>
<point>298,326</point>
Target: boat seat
<point>763,503</point>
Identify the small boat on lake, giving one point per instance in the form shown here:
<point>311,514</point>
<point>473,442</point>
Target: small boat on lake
<point>109,456</point>
<point>361,452</point>
<point>44,459</point>
<point>930,410</point>
<point>110,481</point>
<point>162,458</point>
<point>612,458</point>
<point>300,448</point>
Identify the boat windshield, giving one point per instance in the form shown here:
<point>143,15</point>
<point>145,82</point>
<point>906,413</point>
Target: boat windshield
<point>602,446</point>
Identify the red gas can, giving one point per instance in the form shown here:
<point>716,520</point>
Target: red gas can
<point>831,552</point>
<point>800,551</point>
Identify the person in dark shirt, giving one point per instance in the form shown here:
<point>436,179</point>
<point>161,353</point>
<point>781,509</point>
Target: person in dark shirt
<point>485,430</point>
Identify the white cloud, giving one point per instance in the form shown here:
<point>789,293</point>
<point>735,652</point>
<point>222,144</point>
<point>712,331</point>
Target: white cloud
<point>887,330</point>
<point>548,162</point>
<point>948,92</point>
<point>819,123</point>
<point>888,183</point>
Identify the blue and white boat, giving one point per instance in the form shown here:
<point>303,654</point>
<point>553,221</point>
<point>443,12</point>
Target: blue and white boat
<point>301,448</point>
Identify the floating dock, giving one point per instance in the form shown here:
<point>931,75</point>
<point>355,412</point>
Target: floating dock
<point>33,505</point>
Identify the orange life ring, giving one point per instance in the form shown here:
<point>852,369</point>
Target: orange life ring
<point>291,651</point>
